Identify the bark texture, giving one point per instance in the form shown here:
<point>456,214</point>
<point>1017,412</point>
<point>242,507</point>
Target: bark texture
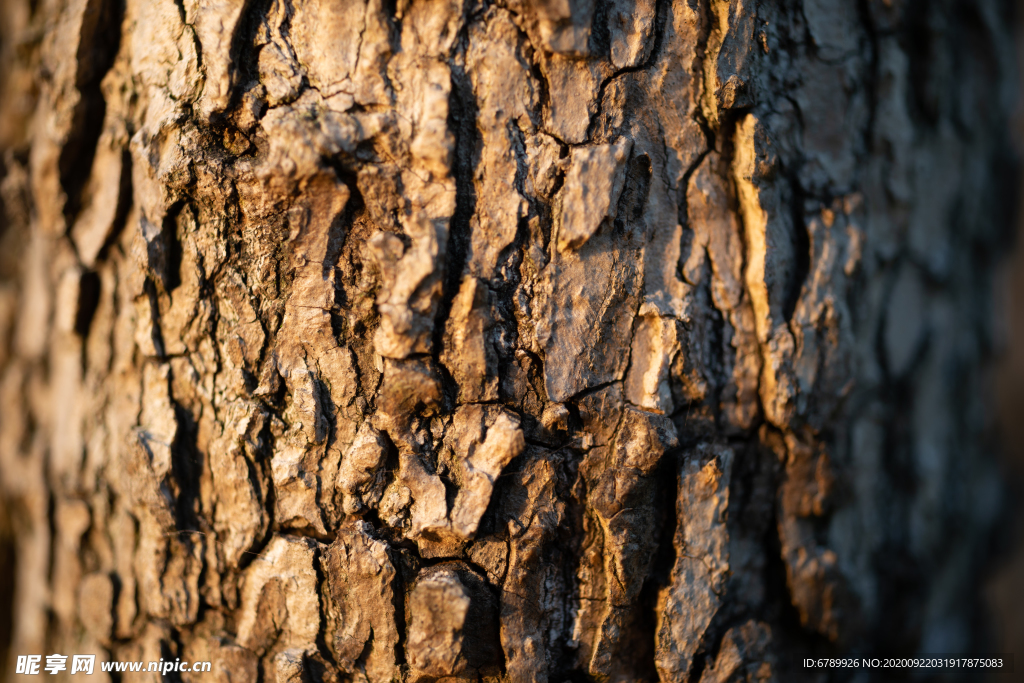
<point>454,340</point>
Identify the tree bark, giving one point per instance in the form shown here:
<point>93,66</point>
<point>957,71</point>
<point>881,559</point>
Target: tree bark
<point>613,340</point>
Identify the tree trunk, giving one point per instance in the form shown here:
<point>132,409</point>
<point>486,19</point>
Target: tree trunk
<point>613,340</point>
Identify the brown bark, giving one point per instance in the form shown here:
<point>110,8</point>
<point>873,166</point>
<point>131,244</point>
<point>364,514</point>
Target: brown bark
<point>608,340</point>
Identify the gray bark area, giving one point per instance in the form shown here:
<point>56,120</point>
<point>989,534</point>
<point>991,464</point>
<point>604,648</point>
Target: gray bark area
<point>613,340</point>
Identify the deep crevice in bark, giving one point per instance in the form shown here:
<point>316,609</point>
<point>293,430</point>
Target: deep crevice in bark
<point>99,43</point>
<point>462,118</point>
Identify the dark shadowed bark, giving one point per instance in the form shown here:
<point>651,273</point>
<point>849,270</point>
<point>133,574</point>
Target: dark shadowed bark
<point>611,340</point>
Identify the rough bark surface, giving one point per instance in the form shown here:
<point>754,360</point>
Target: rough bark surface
<point>455,340</point>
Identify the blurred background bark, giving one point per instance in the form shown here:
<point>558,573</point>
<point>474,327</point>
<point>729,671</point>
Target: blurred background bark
<point>1004,595</point>
<point>608,340</point>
